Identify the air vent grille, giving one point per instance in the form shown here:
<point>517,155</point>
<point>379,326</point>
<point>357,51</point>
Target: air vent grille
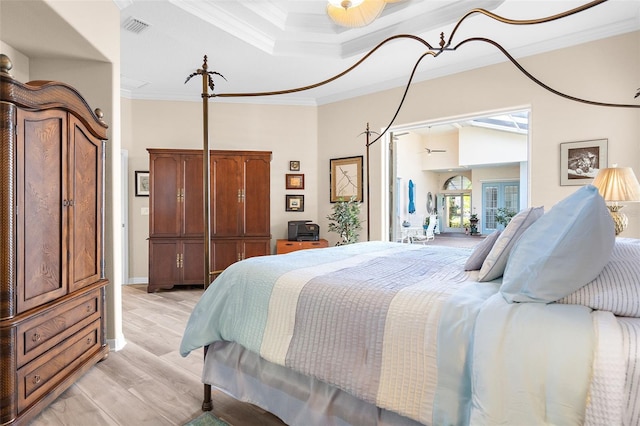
<point>134,25</point>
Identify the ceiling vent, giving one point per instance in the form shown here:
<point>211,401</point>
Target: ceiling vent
<point>134,25</point>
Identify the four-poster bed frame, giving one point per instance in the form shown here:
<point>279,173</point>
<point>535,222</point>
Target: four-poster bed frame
<point>444,46</point>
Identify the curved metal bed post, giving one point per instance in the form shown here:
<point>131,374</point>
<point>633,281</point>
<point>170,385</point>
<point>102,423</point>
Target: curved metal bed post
<point>444,46</point>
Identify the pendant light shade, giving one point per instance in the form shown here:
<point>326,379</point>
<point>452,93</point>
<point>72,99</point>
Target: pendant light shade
<point>354,13</point>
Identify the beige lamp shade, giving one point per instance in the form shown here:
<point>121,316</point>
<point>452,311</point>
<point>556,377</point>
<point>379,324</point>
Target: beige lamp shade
<point>354,13</point>
<point>617,184</point>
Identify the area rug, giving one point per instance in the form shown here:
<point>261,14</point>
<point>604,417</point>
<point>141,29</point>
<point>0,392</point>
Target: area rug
<point>207,419</point>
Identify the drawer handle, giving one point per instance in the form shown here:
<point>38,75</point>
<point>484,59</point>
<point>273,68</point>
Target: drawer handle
<point>36,337</point>
<point>88,340</point>
<point>88,308</point>
<point>36,379</point>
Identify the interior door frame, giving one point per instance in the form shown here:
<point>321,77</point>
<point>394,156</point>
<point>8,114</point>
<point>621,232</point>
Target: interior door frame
<point>389,167</point>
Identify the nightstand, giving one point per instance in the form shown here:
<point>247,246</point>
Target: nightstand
<point>286,246</point>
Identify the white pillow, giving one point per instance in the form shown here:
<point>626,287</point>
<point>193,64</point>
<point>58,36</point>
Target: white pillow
<point>493,266</point>
<point>481,251</point>
<point>562,251</point>
<point>617,288</point>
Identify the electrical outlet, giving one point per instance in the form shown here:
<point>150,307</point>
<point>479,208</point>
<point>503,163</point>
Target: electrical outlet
<point>144,211</point>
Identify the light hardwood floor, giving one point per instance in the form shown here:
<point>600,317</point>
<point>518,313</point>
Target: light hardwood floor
<point>148,382</point>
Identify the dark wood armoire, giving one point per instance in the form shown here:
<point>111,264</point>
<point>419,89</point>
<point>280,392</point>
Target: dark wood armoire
<point>52,283</point>
<point>239,210</point>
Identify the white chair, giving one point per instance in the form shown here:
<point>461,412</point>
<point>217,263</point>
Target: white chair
<point>428,233</point>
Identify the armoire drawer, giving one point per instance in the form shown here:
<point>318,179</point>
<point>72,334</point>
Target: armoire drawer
<point>42,374</point>
<point>42,332</point>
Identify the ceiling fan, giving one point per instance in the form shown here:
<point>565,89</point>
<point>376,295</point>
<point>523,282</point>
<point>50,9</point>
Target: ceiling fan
<point>429,151</point>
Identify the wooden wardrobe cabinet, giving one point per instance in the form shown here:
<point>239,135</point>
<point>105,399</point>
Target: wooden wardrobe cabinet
<point>52,283</point>
<point>239,210</point>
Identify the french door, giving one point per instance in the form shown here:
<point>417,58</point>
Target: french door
<point>457,210</point>
<point>497,195</point>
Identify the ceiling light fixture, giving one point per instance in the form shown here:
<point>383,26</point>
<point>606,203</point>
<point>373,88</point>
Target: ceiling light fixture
<point>355,13</point>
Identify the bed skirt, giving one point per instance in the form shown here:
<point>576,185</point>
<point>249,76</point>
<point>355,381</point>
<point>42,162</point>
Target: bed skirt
<point>295,398</point>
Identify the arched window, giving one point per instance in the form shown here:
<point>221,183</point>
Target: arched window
<point>457,183</point>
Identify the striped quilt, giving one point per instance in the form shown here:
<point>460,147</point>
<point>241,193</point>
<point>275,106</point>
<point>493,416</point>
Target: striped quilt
<point>406,328</point>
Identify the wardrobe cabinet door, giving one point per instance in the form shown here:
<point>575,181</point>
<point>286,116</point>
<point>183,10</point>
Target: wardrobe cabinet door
<point>165,199</point>
<point>226,196</point>
<point>42,201</point>
<point>256,184</point>
<point>164,264</point>
<point>192,196</point>
<point>85,206</point>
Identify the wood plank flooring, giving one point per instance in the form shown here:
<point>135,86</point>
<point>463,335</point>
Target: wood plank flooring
<point>148,382</point>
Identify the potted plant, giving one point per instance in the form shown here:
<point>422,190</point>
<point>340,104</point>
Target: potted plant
<point>504,215</point>
<point>345,221</point>
<point>473,224</point>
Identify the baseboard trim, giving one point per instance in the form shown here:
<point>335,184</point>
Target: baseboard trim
<point>137,280</point>
<point>116,344</point>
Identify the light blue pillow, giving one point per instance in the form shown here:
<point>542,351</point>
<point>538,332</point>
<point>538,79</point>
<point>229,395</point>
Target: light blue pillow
<point>496,261</point>
<point>562,251</point>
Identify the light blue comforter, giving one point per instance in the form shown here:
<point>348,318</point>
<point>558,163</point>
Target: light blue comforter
<point>404,327</point>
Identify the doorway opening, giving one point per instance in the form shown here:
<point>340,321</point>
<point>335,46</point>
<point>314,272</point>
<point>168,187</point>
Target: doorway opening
<point>488,151</point>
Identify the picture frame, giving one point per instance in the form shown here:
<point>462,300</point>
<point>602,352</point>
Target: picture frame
<point>294,203</point>
<point>294,181</point>
<point>346,178</point>
<point>580,161</point>
<point>142,183</point>
<point>294,166</point>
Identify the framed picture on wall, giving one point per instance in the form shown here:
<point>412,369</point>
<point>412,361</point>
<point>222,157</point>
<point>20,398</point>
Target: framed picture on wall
<point>294,203</point>
<point>581,161</point>
<point>294,166</point>
<point>294,181</point>
<point>142,183</point>
<point>346,178</point>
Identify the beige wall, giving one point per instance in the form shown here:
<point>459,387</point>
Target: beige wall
<point>601,70</point>
<point>288,131</point>
<point>609,75</point>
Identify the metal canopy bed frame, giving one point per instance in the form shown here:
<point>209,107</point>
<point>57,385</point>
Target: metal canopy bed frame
<point>445,45</point>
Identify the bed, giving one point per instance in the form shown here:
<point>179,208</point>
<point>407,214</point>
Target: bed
<point>539,324</point>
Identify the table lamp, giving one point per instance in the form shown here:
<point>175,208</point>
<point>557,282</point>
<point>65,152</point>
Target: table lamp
<point>616,185</point>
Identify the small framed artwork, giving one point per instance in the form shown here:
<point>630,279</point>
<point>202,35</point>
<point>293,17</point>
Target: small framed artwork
<point>142,183</point>
<point>294,203</point>
<point>581,161</point>
<point>294,181</point>
<point>346,178</point>
<point>294,166</point>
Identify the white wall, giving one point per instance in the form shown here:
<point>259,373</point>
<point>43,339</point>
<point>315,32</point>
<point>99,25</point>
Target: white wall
<point>480,146</point>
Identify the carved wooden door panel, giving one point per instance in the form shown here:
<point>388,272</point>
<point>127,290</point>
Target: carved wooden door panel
<point>41,197</point>
<point>84,206</point>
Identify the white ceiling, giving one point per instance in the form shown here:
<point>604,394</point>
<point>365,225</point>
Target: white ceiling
<point>266,45</point>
